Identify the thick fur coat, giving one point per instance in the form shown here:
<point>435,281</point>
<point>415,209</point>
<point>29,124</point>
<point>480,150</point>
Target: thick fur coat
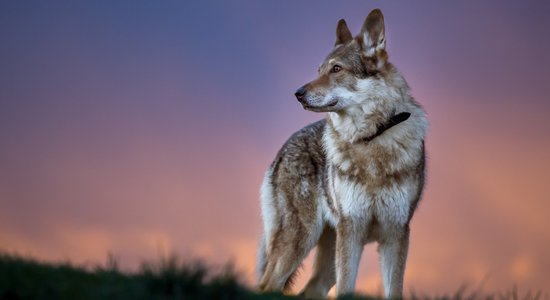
<point>350,179</point>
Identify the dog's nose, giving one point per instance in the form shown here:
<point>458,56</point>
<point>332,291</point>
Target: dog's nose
<point>300,93</point>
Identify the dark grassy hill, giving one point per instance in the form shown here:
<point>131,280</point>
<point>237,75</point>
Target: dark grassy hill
<point>23,278</point>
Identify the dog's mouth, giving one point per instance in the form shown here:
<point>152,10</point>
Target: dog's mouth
<point>325,108</point>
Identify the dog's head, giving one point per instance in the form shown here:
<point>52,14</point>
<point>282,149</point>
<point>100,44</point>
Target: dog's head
<point>354,72</point>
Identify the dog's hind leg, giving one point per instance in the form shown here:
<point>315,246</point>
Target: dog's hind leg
<point>324,276</point>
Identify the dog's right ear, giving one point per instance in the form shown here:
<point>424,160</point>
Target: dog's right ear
<point>343,35</point>
<point>373,38</point>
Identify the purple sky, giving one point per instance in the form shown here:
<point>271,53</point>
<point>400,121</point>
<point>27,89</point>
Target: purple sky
<point>130,126</point>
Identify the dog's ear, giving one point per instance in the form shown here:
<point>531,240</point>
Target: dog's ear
<point>374,37</point>
<point>343,35</point>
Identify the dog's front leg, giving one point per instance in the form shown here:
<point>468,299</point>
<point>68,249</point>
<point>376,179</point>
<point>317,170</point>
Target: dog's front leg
<point>348,253</point>
<point>393,257</point>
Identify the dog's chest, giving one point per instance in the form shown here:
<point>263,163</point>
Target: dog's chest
<point>388,204</point>
<point>371,181</point>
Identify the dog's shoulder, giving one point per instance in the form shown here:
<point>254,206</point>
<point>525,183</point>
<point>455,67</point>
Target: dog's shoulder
<point>303,151</point>
<point>306,139</point>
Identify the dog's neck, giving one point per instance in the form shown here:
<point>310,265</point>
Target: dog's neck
<point>361,125</point>
<point>381,128</point>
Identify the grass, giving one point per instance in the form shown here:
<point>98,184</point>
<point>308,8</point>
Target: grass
<point>24,278</point>
<point>169,278</point>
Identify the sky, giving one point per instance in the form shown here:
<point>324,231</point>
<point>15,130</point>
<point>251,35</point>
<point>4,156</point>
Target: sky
<point>141,128</point>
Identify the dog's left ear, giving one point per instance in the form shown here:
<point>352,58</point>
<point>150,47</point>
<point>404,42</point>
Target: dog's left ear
<point>343,35</point>
<point>374,37</point>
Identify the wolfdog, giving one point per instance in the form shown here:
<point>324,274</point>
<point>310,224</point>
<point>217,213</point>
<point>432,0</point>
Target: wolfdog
<point>352,178</point>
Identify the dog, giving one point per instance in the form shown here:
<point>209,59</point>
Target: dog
<point>352,178</point>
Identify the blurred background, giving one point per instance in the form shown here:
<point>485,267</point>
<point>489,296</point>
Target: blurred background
<point>138,128</point>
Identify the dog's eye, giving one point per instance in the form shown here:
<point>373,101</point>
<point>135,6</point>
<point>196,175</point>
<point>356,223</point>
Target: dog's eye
<point>336,69</point>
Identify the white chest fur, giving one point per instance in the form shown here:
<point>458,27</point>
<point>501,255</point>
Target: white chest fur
<point>389,204</point>
<point>379,179</point>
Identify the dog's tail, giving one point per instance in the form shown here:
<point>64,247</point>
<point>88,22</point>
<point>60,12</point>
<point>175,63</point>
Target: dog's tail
<point>261,257</point>
<point>261,264</point>
<point>291,281</point>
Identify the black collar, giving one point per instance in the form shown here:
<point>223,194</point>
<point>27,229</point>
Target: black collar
<point>396,119</point>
